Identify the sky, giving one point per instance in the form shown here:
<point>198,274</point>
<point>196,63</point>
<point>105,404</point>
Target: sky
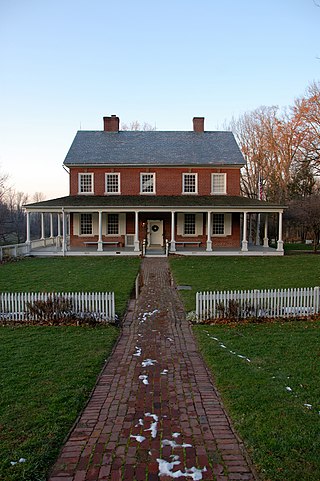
<point>65,64</point>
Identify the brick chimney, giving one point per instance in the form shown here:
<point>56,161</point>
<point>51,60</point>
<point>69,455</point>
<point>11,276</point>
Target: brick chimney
<point>111,124</point>
<point>198,124</point>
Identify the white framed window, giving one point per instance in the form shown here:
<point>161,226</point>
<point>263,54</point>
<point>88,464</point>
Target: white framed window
<point>113,224</point>
<point>190,183</point>
<point>218,224</point>
<point>147,183</point>
<point>112,183</point>
<point>85,183</point>
<point>218,183</point>
<point>86,224</point>
<point>189,224</point>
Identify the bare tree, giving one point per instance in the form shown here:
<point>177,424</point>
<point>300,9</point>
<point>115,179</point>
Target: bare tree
<point>305,214</point>
<point>137,126</point>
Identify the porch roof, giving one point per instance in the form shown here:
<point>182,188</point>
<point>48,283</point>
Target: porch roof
<point>131,202</point>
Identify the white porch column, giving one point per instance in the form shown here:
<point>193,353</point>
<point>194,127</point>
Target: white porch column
<point>244,246</point>
<point>209,242</point>
<point>100,247</point>
<point>63,232</point>
<point>59,225</point>
<point>51,226</point>
<point>42,226</point>
<point>173,240</point>
<point>265,239</point>
<point>258,230</point>
<point>280,241</point>
<point>136,232</point>
<point>28,239</point>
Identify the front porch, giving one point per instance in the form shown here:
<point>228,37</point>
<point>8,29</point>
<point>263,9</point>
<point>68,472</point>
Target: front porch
<point>158,226</point>
<point>52,247</point>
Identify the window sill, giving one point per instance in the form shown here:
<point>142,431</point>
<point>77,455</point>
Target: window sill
<point>85,193</point>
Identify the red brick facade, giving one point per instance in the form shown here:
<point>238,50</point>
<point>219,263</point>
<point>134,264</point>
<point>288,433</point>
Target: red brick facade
<point>168,180</point>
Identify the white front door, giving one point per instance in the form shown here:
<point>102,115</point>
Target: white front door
<point>155,232</point>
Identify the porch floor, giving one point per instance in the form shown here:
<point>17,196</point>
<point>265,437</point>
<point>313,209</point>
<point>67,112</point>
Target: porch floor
<point>151,252</point>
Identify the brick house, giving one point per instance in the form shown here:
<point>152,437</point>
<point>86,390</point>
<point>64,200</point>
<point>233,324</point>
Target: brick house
<point>134,192</point>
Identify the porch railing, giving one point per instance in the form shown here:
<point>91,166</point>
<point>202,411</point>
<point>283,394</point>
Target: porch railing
<point>19,306</point>
<point>267,303</point>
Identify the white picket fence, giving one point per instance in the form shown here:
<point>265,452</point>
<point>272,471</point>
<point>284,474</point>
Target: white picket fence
<point>99,305</point>
<point>254,303</point>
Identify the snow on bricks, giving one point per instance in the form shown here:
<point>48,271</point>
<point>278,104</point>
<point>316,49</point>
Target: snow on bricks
<point>154,414</point>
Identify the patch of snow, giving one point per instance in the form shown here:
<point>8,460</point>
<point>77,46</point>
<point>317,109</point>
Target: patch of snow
<point>144,379</point>
<point>148,362</point>
<point>288,388</point>
<point>309,406</point>
<point>154,426</point>
<point>165,469</point>
<point>138,351</point>
<point>169,339</point>
<point>165,371</point>
<point>140,439</point>
<point>173,444</point>
<point>175,435</point>
<point>222,345</point>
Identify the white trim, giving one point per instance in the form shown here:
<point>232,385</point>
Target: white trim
<point>216,174</point>
<point>105,183</point>
<point>195,174</point>
<point>154,183</point>
<point>80,174</point>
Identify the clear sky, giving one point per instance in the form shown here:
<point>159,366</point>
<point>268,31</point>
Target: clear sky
<point>67,63</point>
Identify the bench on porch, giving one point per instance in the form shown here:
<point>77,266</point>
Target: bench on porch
<point>115,243</point>
<point>184,243</point>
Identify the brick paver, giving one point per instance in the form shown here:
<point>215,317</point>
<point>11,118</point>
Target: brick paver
<point>154,413</point>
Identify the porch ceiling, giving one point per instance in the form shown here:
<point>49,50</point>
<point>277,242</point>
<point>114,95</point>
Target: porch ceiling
<point>148,202</point>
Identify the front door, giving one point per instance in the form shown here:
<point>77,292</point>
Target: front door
<point>155,232</point>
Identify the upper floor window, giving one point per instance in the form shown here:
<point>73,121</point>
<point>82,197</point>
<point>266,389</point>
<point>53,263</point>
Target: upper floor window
<point>85,224</point>
<point>189,224</point>
<point>190,183</point>
<point>112,183</point>
<point>113,224</point>
<point>147,183</point>
<point>218,183</point>
<point>85,183</point>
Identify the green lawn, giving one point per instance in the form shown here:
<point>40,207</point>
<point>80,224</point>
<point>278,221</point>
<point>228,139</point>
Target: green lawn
<point>69,274</point>
<point>46,375</point>
<point>280,432</point>
<point>228,273</point>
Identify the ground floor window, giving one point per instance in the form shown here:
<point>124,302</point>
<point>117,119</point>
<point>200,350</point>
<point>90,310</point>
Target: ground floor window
<point>85,224</point>
<point>113,224</point>
<point>189,224</point>
<point>218,224</point>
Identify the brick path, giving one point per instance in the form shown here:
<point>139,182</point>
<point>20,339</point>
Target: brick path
<point>154,409</point>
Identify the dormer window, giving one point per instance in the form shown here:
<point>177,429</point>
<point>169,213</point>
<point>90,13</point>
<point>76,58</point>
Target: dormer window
<point>218,184</point>
<point>147,183</point>
<point>189,183</point>
<point>113,183</point>
<point>85,183</point>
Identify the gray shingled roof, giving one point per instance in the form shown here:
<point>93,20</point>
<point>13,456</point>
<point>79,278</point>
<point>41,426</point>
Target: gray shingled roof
<point>152,147</point>
<point>156,201</point>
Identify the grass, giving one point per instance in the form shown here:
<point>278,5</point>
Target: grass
<point>46,374</point>
<point>281,434</point>
<point>72,274</point>
<point>229,273</point>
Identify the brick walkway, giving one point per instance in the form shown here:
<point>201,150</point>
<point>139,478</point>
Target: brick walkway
<point>154,414</point>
